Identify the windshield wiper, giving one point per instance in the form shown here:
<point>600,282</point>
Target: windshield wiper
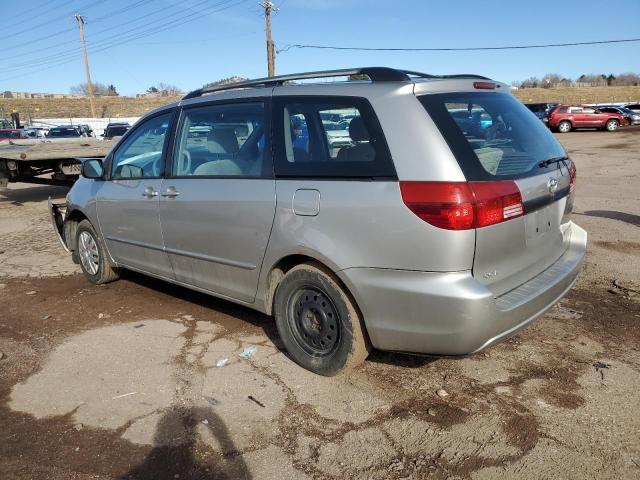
<point>550,161</point>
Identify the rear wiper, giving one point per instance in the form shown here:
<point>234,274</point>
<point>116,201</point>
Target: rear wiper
<point>550,161</point>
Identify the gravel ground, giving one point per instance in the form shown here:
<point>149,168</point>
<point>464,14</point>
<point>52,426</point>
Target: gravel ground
<point>120,381</point>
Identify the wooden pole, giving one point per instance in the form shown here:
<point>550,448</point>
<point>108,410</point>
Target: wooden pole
<point>271,57</point>
<point>85,56</point>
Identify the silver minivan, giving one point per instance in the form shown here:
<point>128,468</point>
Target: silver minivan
<point>400,211</point>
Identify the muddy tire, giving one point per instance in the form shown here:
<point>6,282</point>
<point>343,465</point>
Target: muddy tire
<point>612,125</point>
<point>564,126</point>
<point>92,255</point>
<point>318,321</point>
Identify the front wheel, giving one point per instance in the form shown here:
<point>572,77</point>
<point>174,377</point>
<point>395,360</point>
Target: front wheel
<point>612,125</point>
<point>319,322</point>
<point>93,256</point>
<point>564,127</point>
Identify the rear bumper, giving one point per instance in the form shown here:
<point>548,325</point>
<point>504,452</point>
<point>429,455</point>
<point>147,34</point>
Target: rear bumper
<point>452,313</point>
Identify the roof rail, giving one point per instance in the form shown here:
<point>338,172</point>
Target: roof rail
<point>375,74</point>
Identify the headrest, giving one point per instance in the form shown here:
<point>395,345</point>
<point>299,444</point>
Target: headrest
<point>358,130</point>
<point>222,139</point>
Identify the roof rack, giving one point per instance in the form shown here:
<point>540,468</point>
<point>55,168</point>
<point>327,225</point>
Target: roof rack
<point>375,74</point>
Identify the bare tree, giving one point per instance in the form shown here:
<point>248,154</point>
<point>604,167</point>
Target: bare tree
<point>99,89</point>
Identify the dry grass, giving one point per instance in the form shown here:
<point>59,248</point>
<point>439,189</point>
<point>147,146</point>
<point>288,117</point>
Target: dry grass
<point>579,95</point>
<point>106,107</point>
<point>113,107</point>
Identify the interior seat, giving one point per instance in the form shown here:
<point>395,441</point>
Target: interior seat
<point>362,151</point>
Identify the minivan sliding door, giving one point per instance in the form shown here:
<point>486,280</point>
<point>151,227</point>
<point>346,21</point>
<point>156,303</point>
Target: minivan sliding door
<point>217,203</point>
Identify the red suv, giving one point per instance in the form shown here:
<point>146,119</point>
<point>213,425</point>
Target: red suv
<point>12,134</point>
<point>565,118</point>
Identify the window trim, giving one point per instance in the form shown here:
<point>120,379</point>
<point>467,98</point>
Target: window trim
<point>267,162</point>
<point>371,120</point>
<point>108,163</point>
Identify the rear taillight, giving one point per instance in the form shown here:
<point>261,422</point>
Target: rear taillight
<point>463,205</point>
<point>572,177</point>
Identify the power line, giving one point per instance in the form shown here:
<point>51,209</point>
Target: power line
<point>98,47</point>
<point>35,27</point>
<point>121,36</point>
<point>455,49</point>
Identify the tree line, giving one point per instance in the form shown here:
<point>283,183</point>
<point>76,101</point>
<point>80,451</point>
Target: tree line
<point>101,90</point>
<point>554,80</point>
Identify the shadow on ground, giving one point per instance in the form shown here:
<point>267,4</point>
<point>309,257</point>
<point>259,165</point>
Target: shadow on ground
<point>613,215</point>
<point>176,450</point>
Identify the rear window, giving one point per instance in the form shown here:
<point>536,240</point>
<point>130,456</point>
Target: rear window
<point>63,132</point>
<point>9,134</point>
<point>117,131</point>
<point>492,135</point>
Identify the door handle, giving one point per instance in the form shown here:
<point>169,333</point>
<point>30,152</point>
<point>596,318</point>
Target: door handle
<point>170,192</point>
<point>149,192</point>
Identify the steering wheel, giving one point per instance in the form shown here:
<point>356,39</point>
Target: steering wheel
<point>184,166</point>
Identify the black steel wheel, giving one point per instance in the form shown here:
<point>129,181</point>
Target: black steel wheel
<point>318,321</point>
<point>314,321</point>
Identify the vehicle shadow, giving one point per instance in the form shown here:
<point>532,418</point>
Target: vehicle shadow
<point>32,194</point>
<point>225,307</point>
<point>613,215</point>
<point>175,454</point>
<point>265,322</point>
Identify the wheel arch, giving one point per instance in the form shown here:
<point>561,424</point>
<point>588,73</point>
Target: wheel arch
<point>280,268</point>
<point>71,222</point>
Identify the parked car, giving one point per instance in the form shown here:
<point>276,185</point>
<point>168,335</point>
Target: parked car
<point>541,110</point>
<point>633,106</point>
<point>115,130</point>
<point>35,132</point>
<point>632,117</point>
<point>426,234</point>
<point>86,130</point>
<point>565,118</point>
<point>65,131</point>
<point>12,134</point>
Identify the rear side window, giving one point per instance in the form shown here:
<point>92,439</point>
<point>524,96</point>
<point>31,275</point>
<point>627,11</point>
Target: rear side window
<point>493,136</point>
<point>329,137</point>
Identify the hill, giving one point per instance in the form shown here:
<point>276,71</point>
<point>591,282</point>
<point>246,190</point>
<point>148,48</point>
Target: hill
<point>113,107</point>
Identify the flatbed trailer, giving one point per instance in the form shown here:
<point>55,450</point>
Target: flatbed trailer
<point>48,162</point>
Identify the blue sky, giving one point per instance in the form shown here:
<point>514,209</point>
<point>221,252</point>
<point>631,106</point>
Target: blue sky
<point>213,39</point>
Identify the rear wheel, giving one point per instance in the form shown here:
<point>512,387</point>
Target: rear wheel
<point>93,256</point>
<point>318,321</point>
<point>612,125</point>
<point>564,126</point>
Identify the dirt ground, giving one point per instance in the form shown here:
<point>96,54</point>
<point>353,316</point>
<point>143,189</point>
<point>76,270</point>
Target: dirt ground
<point>120,381</point>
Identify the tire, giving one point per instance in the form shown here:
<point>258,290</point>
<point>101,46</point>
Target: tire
<point>318,321</point>
<point>92,255</point>
<point>612,125</point>
<point>564,126</point>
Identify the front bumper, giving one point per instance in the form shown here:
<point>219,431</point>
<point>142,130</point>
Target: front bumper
<point>452,313</point>
<point>57,212</point>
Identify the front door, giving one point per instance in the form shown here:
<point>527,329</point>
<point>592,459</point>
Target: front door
<point>128,201</point>
<point>217,203</point>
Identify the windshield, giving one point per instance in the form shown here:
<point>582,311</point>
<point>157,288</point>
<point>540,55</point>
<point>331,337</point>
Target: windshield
<point>492,135</point>
<point>117,131</point>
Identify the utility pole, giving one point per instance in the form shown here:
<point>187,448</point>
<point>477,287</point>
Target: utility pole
<point>271,54</point>
<point>80,20</point>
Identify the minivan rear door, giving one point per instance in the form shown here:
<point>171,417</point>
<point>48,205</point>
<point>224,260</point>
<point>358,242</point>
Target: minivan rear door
<point>511,145</point>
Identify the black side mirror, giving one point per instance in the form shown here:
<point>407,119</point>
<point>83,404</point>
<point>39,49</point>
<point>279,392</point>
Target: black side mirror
<point>92,168</point>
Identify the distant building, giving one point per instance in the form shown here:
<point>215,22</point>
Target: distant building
<point>38,95</point>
